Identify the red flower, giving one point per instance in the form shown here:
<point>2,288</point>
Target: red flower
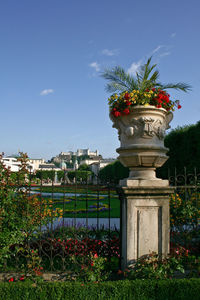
<point>95,256</point>
<point>126,96</point>
<point>92,264</point>
<point>126,111</point>
<point>22,278</point>
<point>128,103</point>
<point>11,279</point>
<point>179,106</point>
<point>116,113</point>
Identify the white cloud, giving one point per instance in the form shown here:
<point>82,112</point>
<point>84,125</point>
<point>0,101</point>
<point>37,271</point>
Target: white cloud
<point>160,51</point>
<point>134,67</point>
<point>173,35</point>
<point>165,54</point>
<point>157,49</point>
<point>46,92</point>
<point>110,52</point>
<point>95,65</point>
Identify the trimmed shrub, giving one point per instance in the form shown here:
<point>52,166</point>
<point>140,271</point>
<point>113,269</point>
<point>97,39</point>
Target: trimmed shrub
<point>180,289</point>
<point>184,150</point>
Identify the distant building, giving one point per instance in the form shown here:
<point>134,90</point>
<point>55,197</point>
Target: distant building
<point>48,167</point>
<point>12,163</point>
<point>63,165</point>
<point>36,162</point>
<point>95,167</point>
<point>71,158</point>
<point>90,161</point>
<point>81,152</point>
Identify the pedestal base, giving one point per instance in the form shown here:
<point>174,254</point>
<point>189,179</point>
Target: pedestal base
<point>128,182</point>
<point>144,220</point>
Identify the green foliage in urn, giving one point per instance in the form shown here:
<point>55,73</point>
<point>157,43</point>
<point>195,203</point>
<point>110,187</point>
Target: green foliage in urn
<point>143,89</point>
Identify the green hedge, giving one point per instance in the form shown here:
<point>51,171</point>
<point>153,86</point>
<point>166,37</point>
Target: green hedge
<point>184,150</point>
<point>114,172</point>
<point>175,289</point>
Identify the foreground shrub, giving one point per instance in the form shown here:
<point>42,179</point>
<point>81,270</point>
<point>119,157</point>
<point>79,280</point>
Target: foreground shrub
<point>153,267</point>
<point>126,289</point>
<point>20,213</point>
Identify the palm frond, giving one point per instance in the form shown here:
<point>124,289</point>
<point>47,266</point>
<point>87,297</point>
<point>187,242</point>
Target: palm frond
<point>114,87</point>
<point>154,77</point>
<point>177,86</point>
<point>146,69</point>
<point>118,79</point>
<point>139,79</point>
<point>144,74</point>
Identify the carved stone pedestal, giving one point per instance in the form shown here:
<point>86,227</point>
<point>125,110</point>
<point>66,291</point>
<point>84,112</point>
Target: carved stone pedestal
<point>144,197</point>
<point>144,222</point>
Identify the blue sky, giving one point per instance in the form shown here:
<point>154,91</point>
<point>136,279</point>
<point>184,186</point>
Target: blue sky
<point>51,55</point>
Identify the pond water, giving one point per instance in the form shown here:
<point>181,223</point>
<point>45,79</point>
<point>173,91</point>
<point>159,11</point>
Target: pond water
<point>59,195</point>
<point>83,222</point>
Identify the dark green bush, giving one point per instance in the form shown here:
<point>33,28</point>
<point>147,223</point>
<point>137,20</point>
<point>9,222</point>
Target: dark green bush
<point>184,150</point>
<point>113,172</point>
<point>180,289</point>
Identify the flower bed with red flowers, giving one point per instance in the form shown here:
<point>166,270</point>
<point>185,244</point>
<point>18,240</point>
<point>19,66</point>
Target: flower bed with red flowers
<point>66,247</point>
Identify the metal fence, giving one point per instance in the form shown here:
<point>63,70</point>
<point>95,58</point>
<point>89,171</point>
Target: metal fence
<point>185,210</point>
<point>58,221</point>
<point>64,222</point>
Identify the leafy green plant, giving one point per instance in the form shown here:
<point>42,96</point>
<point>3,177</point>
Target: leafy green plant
<point>20,213</point>
<point>32,268</point>
<point>143,89</point>
<point>153,267</point>
<point>120,80</point>
<point>91,268</point>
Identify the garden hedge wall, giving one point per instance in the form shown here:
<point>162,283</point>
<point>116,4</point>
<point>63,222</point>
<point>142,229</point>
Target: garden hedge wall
<point>171,289</point>
<point>114,172</point>
<point>184,150</point>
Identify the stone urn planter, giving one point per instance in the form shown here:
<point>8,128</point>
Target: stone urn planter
<point>141,135</point>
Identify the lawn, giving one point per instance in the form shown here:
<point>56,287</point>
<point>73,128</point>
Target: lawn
<point>81,202</point>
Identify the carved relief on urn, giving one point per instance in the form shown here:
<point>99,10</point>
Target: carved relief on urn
<point>141,135</point>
